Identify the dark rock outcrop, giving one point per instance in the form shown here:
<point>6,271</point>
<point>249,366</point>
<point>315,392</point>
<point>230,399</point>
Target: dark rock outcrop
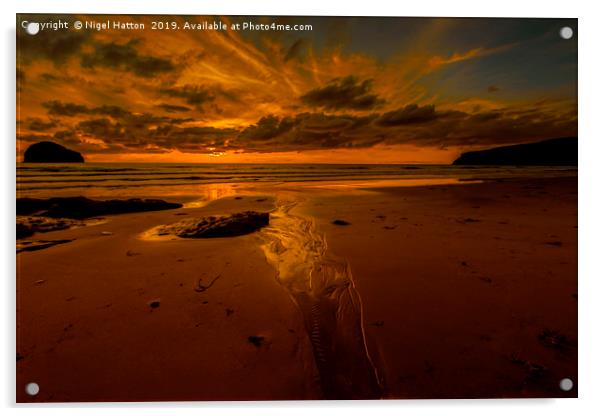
<point>225,226</point>
<point>552,152</point>
<point>27,226</point>
<point>81,207</point>
<point>50,152</point>
<point>24,231</point>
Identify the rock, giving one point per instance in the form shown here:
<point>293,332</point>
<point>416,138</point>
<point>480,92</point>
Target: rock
<point>50,152</point>
<point>256,340</point>
<point>28,225</point>
<point>26,245</point>
<point>341,222</point>
<point>81,207</point>
<point>24,231</point>
<point>224,226</point>
<point>552,152</point>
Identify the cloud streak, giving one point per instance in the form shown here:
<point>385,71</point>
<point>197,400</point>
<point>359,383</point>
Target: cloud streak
<point>346,93</point>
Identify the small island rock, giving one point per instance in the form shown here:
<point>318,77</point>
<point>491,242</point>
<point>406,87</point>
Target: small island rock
<point>50,152</point>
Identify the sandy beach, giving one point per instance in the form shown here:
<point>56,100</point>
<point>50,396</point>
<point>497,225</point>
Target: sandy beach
<point>354,290</point>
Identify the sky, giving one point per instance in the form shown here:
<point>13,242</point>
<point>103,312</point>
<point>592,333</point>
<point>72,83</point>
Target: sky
<point>350,90</point>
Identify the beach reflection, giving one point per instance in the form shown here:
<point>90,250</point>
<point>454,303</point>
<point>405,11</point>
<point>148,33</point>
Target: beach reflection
<point>211,192</point>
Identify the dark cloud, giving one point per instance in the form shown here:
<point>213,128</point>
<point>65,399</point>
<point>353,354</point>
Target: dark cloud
<point>486,116</point>
<point>67,137</point>
<point>195,95</point>
<point>416,125</point>
<point>170,108</point>
<point>343,93</point>
<point>487,128</point>
<point>125,57</point>
<point>58,108</point>
<point>410,114</point>
<point>48,77</point>
<point>54,45</point>
<point>62,78</point>
<point>195,139</point>
<point>111,110</point>
<point>268,127</point>
<point>307,131</point>
<point>103,128</point>
<point>37,124</point>
<point>71,139</point>
<point>142,132</point>
<point>143,120</point>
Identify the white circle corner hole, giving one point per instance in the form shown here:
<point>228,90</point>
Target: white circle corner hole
<point>32,389</point>
<point>566,32</point>
<point>32,28</point>
<point>566,384</point>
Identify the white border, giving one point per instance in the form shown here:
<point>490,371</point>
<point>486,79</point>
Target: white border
<point>590,199</point>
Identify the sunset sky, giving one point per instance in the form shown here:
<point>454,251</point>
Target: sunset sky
<point>352,90</point>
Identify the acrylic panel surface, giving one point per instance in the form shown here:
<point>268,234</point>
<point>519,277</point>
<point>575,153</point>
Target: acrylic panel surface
<point>291,208</point>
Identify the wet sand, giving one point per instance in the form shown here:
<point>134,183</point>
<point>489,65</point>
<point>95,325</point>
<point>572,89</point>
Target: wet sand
<point>468,291</point>
<point>458,290</point>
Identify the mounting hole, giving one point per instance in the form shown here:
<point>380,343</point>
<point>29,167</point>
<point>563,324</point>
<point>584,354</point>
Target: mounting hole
<point>32,389</point>
<point>566,32</point>
<point>566,384</point>
<point>32,28</point>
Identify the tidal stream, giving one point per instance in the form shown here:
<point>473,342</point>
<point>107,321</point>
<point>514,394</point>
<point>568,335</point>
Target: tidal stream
<point>322,286</point>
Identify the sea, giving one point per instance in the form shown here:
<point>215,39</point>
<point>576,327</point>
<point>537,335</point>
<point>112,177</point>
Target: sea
<point>172,179</point>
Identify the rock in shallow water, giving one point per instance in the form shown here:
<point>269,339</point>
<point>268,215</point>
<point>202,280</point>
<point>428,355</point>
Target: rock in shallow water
<point>224,226</point>
<point>27,226</point>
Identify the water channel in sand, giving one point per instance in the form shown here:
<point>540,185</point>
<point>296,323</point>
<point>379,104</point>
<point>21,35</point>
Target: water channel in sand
<point>322,287</point>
